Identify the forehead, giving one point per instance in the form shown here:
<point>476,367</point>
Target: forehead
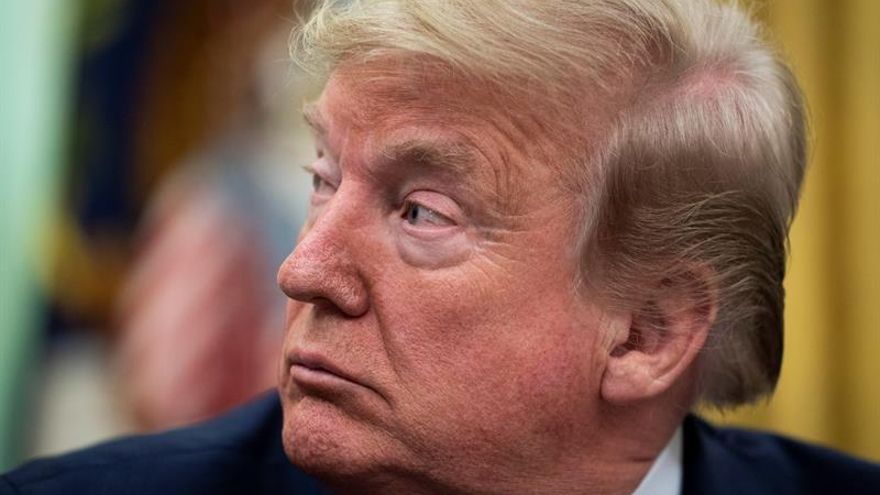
<point>422,130</point>
<point>409,89</point>
<point>423,113</point>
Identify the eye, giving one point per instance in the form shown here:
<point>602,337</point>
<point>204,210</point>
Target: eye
<point>321,187</point>
<point>420,215</point>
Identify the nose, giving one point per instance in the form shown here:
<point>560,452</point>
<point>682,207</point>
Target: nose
<point>323,270</point>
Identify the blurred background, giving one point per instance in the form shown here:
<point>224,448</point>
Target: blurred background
<point>150,185</point>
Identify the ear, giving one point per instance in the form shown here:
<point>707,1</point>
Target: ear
<point>650,350</point>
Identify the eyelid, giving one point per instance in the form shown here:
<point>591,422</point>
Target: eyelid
<point>438,203</point>
<point>311,169</point>
<point>441,219</point>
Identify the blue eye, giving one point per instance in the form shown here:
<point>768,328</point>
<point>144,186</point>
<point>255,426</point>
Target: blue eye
<point>415,214</point>
<point>412,212</point>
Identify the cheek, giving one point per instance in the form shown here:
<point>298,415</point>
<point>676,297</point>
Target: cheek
<point>503,404</point>
<point>494,357</point>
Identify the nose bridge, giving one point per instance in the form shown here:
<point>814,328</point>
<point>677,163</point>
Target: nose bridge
<point>323,266</point>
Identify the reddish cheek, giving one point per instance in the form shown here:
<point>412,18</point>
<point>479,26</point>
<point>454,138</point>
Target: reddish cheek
<point>529,352</point>
<point>556,376</point>
<point>556,383</point>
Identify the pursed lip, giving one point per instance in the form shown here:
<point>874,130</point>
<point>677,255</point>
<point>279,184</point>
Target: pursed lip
<point>312,370</point>
<point>316,362</point>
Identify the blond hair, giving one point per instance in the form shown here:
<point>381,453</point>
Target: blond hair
<point>700,166</point>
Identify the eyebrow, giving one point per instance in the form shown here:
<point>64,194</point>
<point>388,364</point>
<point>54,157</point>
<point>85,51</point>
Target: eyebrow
<point>313,117</point>
<point>456,159</point>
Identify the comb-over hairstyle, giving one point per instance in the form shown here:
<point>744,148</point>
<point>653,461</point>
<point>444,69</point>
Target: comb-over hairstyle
<point>697,171</point>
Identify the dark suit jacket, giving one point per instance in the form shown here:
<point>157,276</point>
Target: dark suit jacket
<point>242,453</point>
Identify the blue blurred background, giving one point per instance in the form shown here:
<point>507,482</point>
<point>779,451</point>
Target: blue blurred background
<point>151,184</point>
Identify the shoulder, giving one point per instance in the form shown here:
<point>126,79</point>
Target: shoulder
<point>240,452</point>
<point>730,460</point>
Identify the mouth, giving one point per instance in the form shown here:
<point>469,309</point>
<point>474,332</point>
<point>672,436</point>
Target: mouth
<point>312,371</point>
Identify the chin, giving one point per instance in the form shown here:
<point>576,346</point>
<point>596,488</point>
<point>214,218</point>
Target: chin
<point>350,455</point>
<point>326,443</point>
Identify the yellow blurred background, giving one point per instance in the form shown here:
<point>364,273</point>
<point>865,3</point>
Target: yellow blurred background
<point>829,391</point>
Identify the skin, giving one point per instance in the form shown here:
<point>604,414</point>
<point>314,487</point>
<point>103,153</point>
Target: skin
<point>434,341</point>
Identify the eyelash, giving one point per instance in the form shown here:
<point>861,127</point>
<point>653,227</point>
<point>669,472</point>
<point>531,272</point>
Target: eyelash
<point>318,181</point>
<point>410,206</point>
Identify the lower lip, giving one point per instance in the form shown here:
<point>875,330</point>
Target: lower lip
<point>318,378</point>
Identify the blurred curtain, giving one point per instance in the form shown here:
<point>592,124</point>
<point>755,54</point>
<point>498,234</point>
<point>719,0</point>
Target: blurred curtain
<point>36,41</point>
<point>830,386</point>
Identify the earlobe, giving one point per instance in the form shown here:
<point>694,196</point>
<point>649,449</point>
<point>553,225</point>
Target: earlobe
<point>662,340</point>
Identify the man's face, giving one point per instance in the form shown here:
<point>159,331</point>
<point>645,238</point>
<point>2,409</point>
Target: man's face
<point>433,331</point>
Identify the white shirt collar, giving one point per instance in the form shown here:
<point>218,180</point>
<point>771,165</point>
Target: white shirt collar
<point>664,477</point>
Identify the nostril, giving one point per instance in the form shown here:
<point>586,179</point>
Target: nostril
<point>324,305</point>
